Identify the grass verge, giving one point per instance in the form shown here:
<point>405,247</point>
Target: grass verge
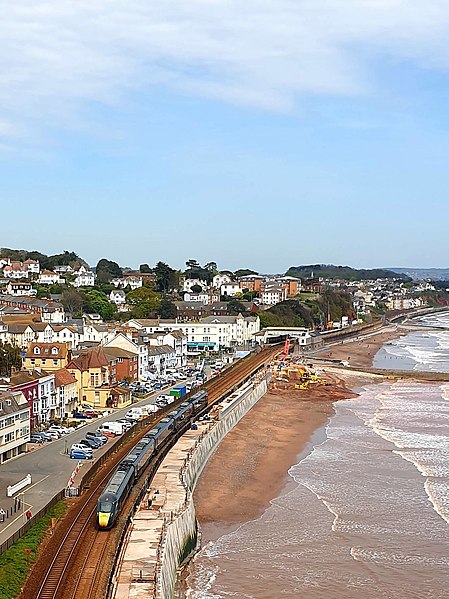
<point>15,563</point>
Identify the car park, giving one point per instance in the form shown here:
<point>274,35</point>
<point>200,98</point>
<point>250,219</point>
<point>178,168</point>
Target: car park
<point>80,454</point>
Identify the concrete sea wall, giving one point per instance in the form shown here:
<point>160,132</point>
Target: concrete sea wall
<point>179,535</point>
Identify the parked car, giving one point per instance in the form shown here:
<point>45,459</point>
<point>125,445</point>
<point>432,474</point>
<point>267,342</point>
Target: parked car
<point>62,430</point>
<point>80,454</point>
<point>85,444</point>
<point>53,434</point>
<point>43,436</point>
<point>35,439</point>
<point>126,424</point>
<point>80,447</point>
<point>93,443</point>
<point>94,435</point>
<point>83,415</point>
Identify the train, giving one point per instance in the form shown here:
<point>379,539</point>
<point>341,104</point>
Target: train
<point>131,467</point>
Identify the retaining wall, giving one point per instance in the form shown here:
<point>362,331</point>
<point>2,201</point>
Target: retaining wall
<point>179,535</point>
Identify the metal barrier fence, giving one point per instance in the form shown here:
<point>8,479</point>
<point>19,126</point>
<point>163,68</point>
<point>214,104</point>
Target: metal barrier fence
<point>26,527</point>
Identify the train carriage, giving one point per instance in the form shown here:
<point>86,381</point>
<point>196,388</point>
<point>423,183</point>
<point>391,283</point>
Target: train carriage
<point>116,491</point>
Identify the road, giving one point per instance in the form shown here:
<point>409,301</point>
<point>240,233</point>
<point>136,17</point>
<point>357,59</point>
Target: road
<point>50,468</point>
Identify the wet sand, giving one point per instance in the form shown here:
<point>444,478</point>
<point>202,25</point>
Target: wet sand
<point>360,353</point>
<point>251,464</point>
<point>250,467</point>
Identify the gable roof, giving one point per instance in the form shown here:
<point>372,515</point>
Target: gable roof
<point>63,377</point>
<point>47,350</point>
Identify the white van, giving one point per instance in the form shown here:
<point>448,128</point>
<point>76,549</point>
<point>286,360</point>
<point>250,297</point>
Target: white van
<point>135,414</point>
<point>110,428</point>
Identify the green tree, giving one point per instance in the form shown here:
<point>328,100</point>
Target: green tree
<point>167,309</point>
<point>167,278</point>
<point>144,268</point>
<point>235,307</point>
<point>243,272</point>
<point>196,289</point>
<point>107,270</point>
<point>97,302</point>
<point>9,357</point>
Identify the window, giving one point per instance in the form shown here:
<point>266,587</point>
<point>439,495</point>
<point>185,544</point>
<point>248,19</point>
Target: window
<point>54,351</point>
<point>33,361</point>
<point>92,380</point>
<point>55,362</point>
<point>37,350</point>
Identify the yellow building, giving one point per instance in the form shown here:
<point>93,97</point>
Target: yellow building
<point>91,370</point>
<point>48,356</point>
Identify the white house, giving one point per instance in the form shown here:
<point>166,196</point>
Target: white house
<point>204,297</point>
<point>161,357</point>
<point>48,277</point>
<point>84,277</point>
<point>273,295</point>
<point>32,266</point>
<point>221,279</point>
<point>17,288</point>
<point>66,388</point>
<point>230,289</point>
<point>189,283</point>
<point>117,297</point>
<point>14,424</point>
<point>175,339</point>
<point>15,270</point>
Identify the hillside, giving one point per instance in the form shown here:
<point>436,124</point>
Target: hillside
<point>329,271</point>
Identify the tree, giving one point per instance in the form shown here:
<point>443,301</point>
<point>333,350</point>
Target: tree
<point>72,301</point>
<point>97,302</point>
<point>9,358</point>
<point>243,272</point>
<point>192,264</point>
<point>144,268</point>
<point>211,266</point>
<point>107,270</point>
<point>235,307</point>
<point>196,289</point>
<point>167,278</point>
<point>145,302</point>
<point>167,309</point>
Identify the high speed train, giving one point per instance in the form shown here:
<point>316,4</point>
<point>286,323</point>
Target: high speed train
<point>130,468</point>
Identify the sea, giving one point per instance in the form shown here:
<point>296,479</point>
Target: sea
<point>366,512</point>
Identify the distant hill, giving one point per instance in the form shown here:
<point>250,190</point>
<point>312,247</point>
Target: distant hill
<point>346,273</point>
<point>423,274</point>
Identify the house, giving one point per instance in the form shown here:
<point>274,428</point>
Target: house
<point>123,364</point>
<point>66,391</point>
<point>273,294</point>
<point>220,279</point>
<point>48,277</point>
<point>32,266</point>
<point>189,283</point>
<point>15,270</point>
<point>14,424</point>
<point>84,278</point>
<point>48,310</point>
<point>129,344</point>
<point>28,384</point>
<point>65,334</point>
<point>117,297</point>
<point>230,289</point>
<point>18,288</point>
<point>175,339</point>
<point>205,297</point>
<point>91,370</point>
<point>48,356</point>
<point>161,357</point>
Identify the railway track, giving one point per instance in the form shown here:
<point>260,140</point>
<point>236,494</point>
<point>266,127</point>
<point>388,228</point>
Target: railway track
<point>78,563</point>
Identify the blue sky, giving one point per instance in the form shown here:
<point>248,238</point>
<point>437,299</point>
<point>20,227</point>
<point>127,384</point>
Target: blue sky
<point>279,133</point>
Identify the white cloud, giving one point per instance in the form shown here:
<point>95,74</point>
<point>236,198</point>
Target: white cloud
<point>267,53</point>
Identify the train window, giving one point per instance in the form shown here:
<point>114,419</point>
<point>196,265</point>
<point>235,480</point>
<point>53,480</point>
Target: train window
<point>105,506</point>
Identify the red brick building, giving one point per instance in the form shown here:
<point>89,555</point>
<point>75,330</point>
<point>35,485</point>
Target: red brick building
<point>123,364</point>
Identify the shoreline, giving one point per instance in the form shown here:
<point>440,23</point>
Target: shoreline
<point>250,467</point>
